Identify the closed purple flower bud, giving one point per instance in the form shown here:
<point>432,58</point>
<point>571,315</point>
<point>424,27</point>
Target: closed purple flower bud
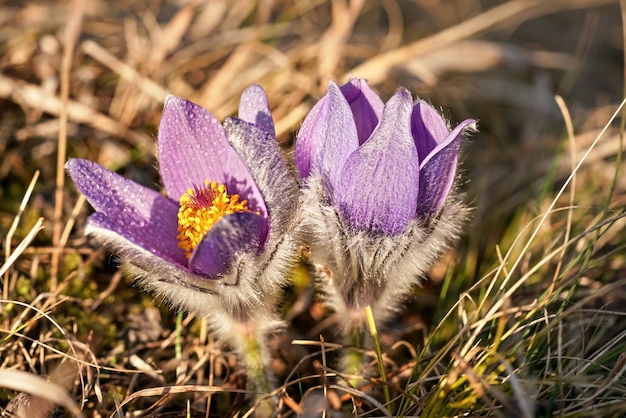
<point>376,200</point>
<point>216,240</point>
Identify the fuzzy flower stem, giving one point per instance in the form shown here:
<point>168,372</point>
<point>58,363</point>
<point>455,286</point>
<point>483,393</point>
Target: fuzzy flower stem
<point>353,358</point>
<point>248,338</point>
<point>257,375</point>
<point>178,341</point>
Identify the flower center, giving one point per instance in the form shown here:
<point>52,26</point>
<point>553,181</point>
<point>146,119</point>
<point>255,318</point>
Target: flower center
<point>200,209</point>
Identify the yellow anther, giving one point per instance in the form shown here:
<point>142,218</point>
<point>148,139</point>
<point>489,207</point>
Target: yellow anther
<point>200,209</point>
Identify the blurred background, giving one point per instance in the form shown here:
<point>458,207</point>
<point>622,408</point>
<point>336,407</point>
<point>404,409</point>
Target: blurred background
<point>501,62</point>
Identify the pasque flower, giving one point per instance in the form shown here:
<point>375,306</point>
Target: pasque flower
<point>378,207</point>
<point>214,242</point>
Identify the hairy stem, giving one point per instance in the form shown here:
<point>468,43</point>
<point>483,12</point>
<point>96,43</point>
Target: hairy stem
<point>353,358</point>
<point>258,378</point>
<point>248,338</point>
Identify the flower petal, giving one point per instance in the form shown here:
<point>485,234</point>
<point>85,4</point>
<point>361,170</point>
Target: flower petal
<point>242,232</point>
<point>366,106</point>
<point>327,138</point>
<point>254,108</point>
<point>380,181</point>
<point>437,171</point>
<point>137,213</point>
<point>428,128</point>
<point>142,235</point>
<point>278,187</point>
<point>169,280</point>
<point>193,148</point>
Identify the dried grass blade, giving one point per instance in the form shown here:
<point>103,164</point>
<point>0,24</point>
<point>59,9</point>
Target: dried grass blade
<point>36,97</point>
<point>125,71</point>
<point>377,69</point>
<point>72,32</point>
<point>170,390</point>
<point>37,386</point>
<point>22,246</point>
<point>13,228</point>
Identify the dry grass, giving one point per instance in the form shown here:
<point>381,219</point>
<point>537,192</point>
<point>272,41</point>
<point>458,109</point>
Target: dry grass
<point>527,318</point>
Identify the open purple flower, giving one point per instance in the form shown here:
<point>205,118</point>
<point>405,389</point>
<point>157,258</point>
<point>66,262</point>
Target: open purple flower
<point>376,199</point>
<point>216,242</point>
<point>219,230</point>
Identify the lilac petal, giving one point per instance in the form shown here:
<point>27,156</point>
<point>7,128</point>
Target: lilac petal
<point>254,108</point>
<point>262,155</point>
<point>137,213</point>
<point>379,187</point>
<point>327,138</point>
<point>193,148</point>
<point>306,141</point>
<point>242,232</point>
<point>428,128</point>
<point>156,268</point>
<point>366,106</point>
<point>437,171</point>
<point>143,236</point>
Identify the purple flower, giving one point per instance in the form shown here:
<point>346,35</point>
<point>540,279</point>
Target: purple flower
<point>219,229</point>
<point>382,165</point>
<point>377,179</point>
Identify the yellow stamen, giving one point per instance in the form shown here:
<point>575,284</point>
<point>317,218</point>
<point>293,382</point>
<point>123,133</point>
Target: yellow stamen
<point>200,209</point>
